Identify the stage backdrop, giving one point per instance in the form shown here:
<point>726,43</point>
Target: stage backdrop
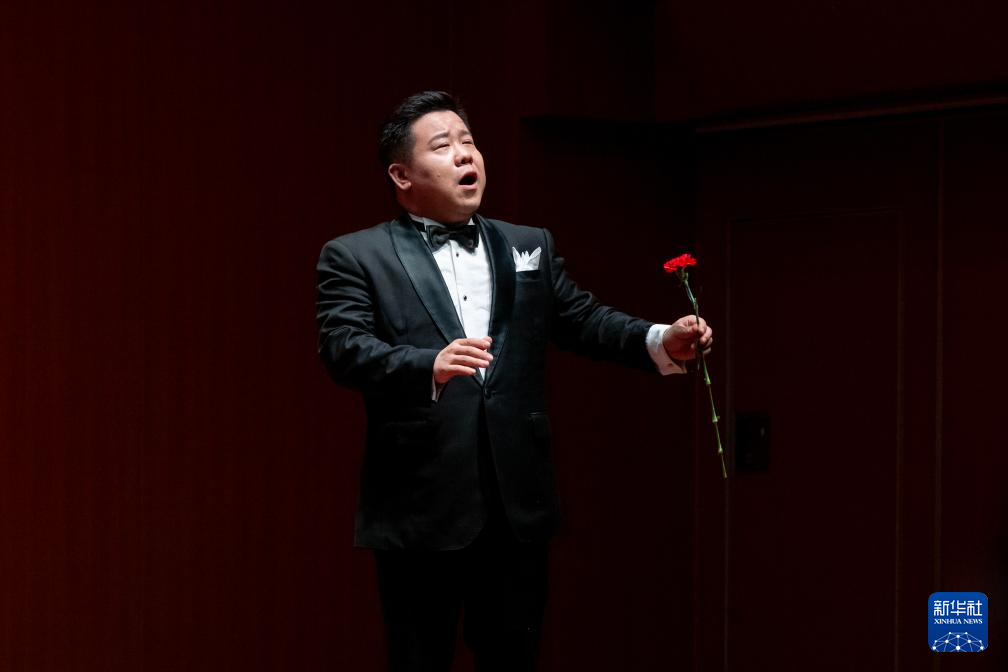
<point>177,475</point>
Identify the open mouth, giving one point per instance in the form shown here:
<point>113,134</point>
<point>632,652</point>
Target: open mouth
<point>468,180</point>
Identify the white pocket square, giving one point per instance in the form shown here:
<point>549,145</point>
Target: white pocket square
<point>526,261</point>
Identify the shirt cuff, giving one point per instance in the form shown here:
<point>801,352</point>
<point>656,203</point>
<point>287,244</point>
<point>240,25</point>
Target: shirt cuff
<point>665,364</point>
<point>435,389</point>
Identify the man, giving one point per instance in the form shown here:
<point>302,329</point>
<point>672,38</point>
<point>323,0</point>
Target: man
<point>441,319</point>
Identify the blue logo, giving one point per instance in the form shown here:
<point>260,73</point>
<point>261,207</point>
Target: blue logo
<point>957,622</point>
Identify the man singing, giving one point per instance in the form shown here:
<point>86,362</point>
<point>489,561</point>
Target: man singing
<point>441,319</point>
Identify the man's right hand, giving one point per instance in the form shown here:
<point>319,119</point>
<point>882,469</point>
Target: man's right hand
<point>461,358</point>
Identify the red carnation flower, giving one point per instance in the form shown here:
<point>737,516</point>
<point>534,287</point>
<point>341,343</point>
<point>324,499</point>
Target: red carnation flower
<point>679,263</point>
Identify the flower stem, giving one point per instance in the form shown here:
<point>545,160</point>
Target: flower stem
<point>702,369</point>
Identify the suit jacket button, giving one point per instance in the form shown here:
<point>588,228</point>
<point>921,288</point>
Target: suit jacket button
<point>488,393</point>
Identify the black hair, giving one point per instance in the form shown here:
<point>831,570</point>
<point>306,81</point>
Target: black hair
<point>395,140</point>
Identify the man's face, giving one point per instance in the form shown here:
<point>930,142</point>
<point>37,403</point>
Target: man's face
<point>444,178</point>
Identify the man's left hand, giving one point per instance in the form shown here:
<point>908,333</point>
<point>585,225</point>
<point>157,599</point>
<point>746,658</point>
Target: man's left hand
<point>680,339</point>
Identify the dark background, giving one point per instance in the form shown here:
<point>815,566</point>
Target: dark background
<point>177,475</point>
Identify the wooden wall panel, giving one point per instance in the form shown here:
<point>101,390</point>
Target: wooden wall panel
<point>824,240</point>
<point>812,540</point>
<point>972,462</point>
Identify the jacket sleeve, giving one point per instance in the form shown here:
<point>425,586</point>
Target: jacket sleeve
<point>582,324</point>
<point>352,353</point>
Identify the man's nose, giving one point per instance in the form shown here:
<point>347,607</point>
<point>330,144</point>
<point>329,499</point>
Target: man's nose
<point>463,155</point>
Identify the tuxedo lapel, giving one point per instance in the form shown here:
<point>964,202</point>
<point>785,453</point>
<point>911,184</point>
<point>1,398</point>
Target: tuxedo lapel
<point>423,272</point>
<point>503,274</point>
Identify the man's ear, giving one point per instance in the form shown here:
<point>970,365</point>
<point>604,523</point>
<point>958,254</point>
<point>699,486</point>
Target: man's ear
<point>398,173</point>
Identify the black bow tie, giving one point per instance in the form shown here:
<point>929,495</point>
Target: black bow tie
<point>466,236</point>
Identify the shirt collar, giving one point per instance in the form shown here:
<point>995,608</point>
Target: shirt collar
<point>426,221</point>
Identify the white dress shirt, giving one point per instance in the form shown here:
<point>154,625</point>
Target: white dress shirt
<point>467,278</point>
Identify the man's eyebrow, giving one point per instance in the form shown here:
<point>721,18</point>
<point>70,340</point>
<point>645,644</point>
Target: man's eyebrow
<point>444,134</point>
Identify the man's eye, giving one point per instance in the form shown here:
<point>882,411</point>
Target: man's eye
<point>440,147</point>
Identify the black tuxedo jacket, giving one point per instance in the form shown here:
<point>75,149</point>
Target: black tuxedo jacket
<point>384,313</point>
